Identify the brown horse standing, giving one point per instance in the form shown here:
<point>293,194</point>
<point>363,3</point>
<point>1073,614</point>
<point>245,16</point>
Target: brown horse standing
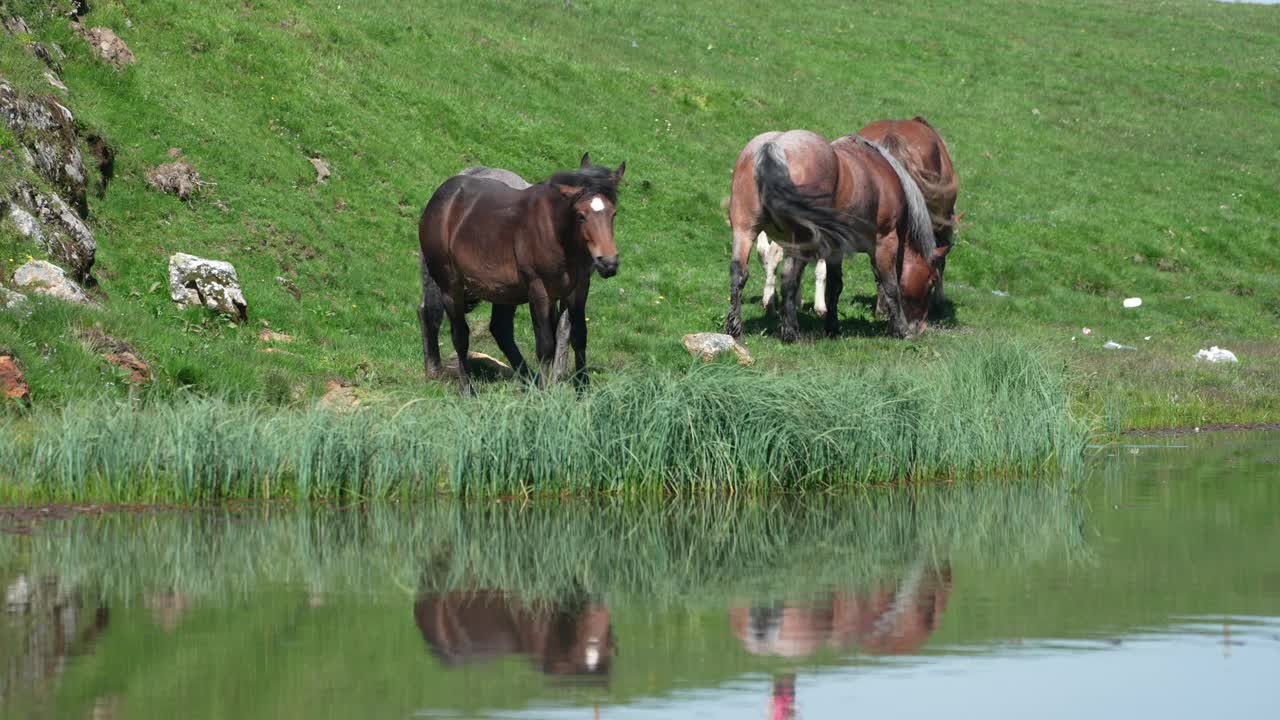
<point>919,147</point>
<point>820,201</point>
<point>484,240</point>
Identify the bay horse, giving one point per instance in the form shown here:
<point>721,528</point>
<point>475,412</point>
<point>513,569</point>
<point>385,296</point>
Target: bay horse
<point>922,151</point>
<point>483,240</point>
<point>462,627</point>
<point>821,200</point>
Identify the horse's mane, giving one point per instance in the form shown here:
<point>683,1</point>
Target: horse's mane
<point>919,224</point>
<point>592,180</point>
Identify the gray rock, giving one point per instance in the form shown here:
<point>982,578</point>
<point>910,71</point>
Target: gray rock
<point>50,141</point>
<point>55,227</point>
<point>211,283</point>
<point>708,345</point>
<point>45,278</point>
<point>14,302</point>
<point>322,170</point>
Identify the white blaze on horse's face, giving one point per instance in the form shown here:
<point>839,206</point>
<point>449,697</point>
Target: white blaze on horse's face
<point>595,227</point>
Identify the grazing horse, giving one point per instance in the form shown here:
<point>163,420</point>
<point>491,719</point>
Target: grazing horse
<point>921,150</point>
<point>464,627</point>
<point>482,239</point>
<point>821,200</point>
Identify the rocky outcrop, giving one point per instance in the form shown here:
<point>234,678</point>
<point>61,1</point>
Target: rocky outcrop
<point>50,142</point>
<point>211,283</point>
<point>45,278</point>
<point>708,345</point>
<point>52,226</point>
<point>13,384</point>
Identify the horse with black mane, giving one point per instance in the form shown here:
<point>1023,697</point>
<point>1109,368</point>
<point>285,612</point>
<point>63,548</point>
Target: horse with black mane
<point>922,151</point>
<point>822,200</point>
<point>484,240</point>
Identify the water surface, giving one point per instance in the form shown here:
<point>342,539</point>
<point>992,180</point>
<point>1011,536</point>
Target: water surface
<point>1150,588</point>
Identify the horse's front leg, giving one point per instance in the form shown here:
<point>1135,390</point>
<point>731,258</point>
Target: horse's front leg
<point>578,332</point>
<point>542,313</point>
<point>792,270</point>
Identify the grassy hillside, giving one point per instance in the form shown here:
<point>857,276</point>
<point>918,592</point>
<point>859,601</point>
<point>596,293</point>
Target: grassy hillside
<point>1105,150</point>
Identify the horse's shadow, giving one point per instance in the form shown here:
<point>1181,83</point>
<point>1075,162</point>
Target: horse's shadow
<point>859,323</point>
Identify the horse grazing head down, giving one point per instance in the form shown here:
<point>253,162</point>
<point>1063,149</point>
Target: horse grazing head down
<point>592,195</point>
<point>918,279</point>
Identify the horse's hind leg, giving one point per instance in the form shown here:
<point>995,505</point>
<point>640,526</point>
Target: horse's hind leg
<point>737,279</point>
<point>502,326</point>
<point>430,314</point>
<point>456,307</point>
<point>831,293</point>
<point>792,270</point>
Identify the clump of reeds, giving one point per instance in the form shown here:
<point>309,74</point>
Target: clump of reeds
<point>987,411</point>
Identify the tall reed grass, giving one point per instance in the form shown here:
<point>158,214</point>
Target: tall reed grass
<point>991,411</point>
<point>658,552</point>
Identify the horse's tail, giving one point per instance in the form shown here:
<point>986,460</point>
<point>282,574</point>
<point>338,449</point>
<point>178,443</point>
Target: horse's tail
<point>919,225</point>
<point>788,207</point>
<point>932,186</point>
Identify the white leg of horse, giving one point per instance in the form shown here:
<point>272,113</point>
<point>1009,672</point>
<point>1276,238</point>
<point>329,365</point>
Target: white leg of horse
<point>770,256</point>
<point>820,288</point>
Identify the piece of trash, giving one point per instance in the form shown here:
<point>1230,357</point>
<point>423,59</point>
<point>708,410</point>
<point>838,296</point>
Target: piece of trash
<point>1147,337</point>
<point>1132,302</point>
<point>1000,293</point>
<point>1187,297</point>
<point>1111,345</point>
<point>1216,354</point>
<point>1086,331</point>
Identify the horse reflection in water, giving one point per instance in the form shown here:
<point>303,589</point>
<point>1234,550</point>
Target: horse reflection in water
<point>891,619</point>
<point>571,638</point>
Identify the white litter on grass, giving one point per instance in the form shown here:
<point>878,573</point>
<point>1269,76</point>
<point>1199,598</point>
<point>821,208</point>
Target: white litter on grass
<point>1147,337</point>
<point>1000,293</point>
<point>1110,345</point>
<point>1216,354</point>
<point>1132,302</point>
<point>1086,331</point>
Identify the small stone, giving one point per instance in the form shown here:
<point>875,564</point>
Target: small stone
<point>322,170</point>
<point>340,396</point>
<point>109,46</point>
<point>177,178</point>
<point>211,283</point>
<point>1216,354</point>
<point>1133,302</point>
<point>15,303</point>
<point>708,345</point>
<point>13,384</point>
<point>45,278</point>
<point>481,365</point>
<point>139,371</point>
<point>271,336</point>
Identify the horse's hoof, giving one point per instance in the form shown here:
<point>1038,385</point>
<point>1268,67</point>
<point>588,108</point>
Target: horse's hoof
<point>790,336</point>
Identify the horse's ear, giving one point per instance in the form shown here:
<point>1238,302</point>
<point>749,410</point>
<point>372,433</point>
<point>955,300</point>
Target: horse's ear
<point>617,174</point>
<point>939,253</point>
<point>586,160</point>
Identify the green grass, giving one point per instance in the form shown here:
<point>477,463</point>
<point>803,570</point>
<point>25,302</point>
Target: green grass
<point>1105,149</point>
<point>717,429</point>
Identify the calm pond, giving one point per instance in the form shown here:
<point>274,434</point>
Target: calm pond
<point>1152,588</point>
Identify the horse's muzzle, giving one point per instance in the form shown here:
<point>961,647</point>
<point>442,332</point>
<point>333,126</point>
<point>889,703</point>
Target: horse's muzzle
<point>607,266</point>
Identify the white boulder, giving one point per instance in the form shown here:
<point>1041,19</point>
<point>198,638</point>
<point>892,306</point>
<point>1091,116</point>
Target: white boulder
<point>211,283</point>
